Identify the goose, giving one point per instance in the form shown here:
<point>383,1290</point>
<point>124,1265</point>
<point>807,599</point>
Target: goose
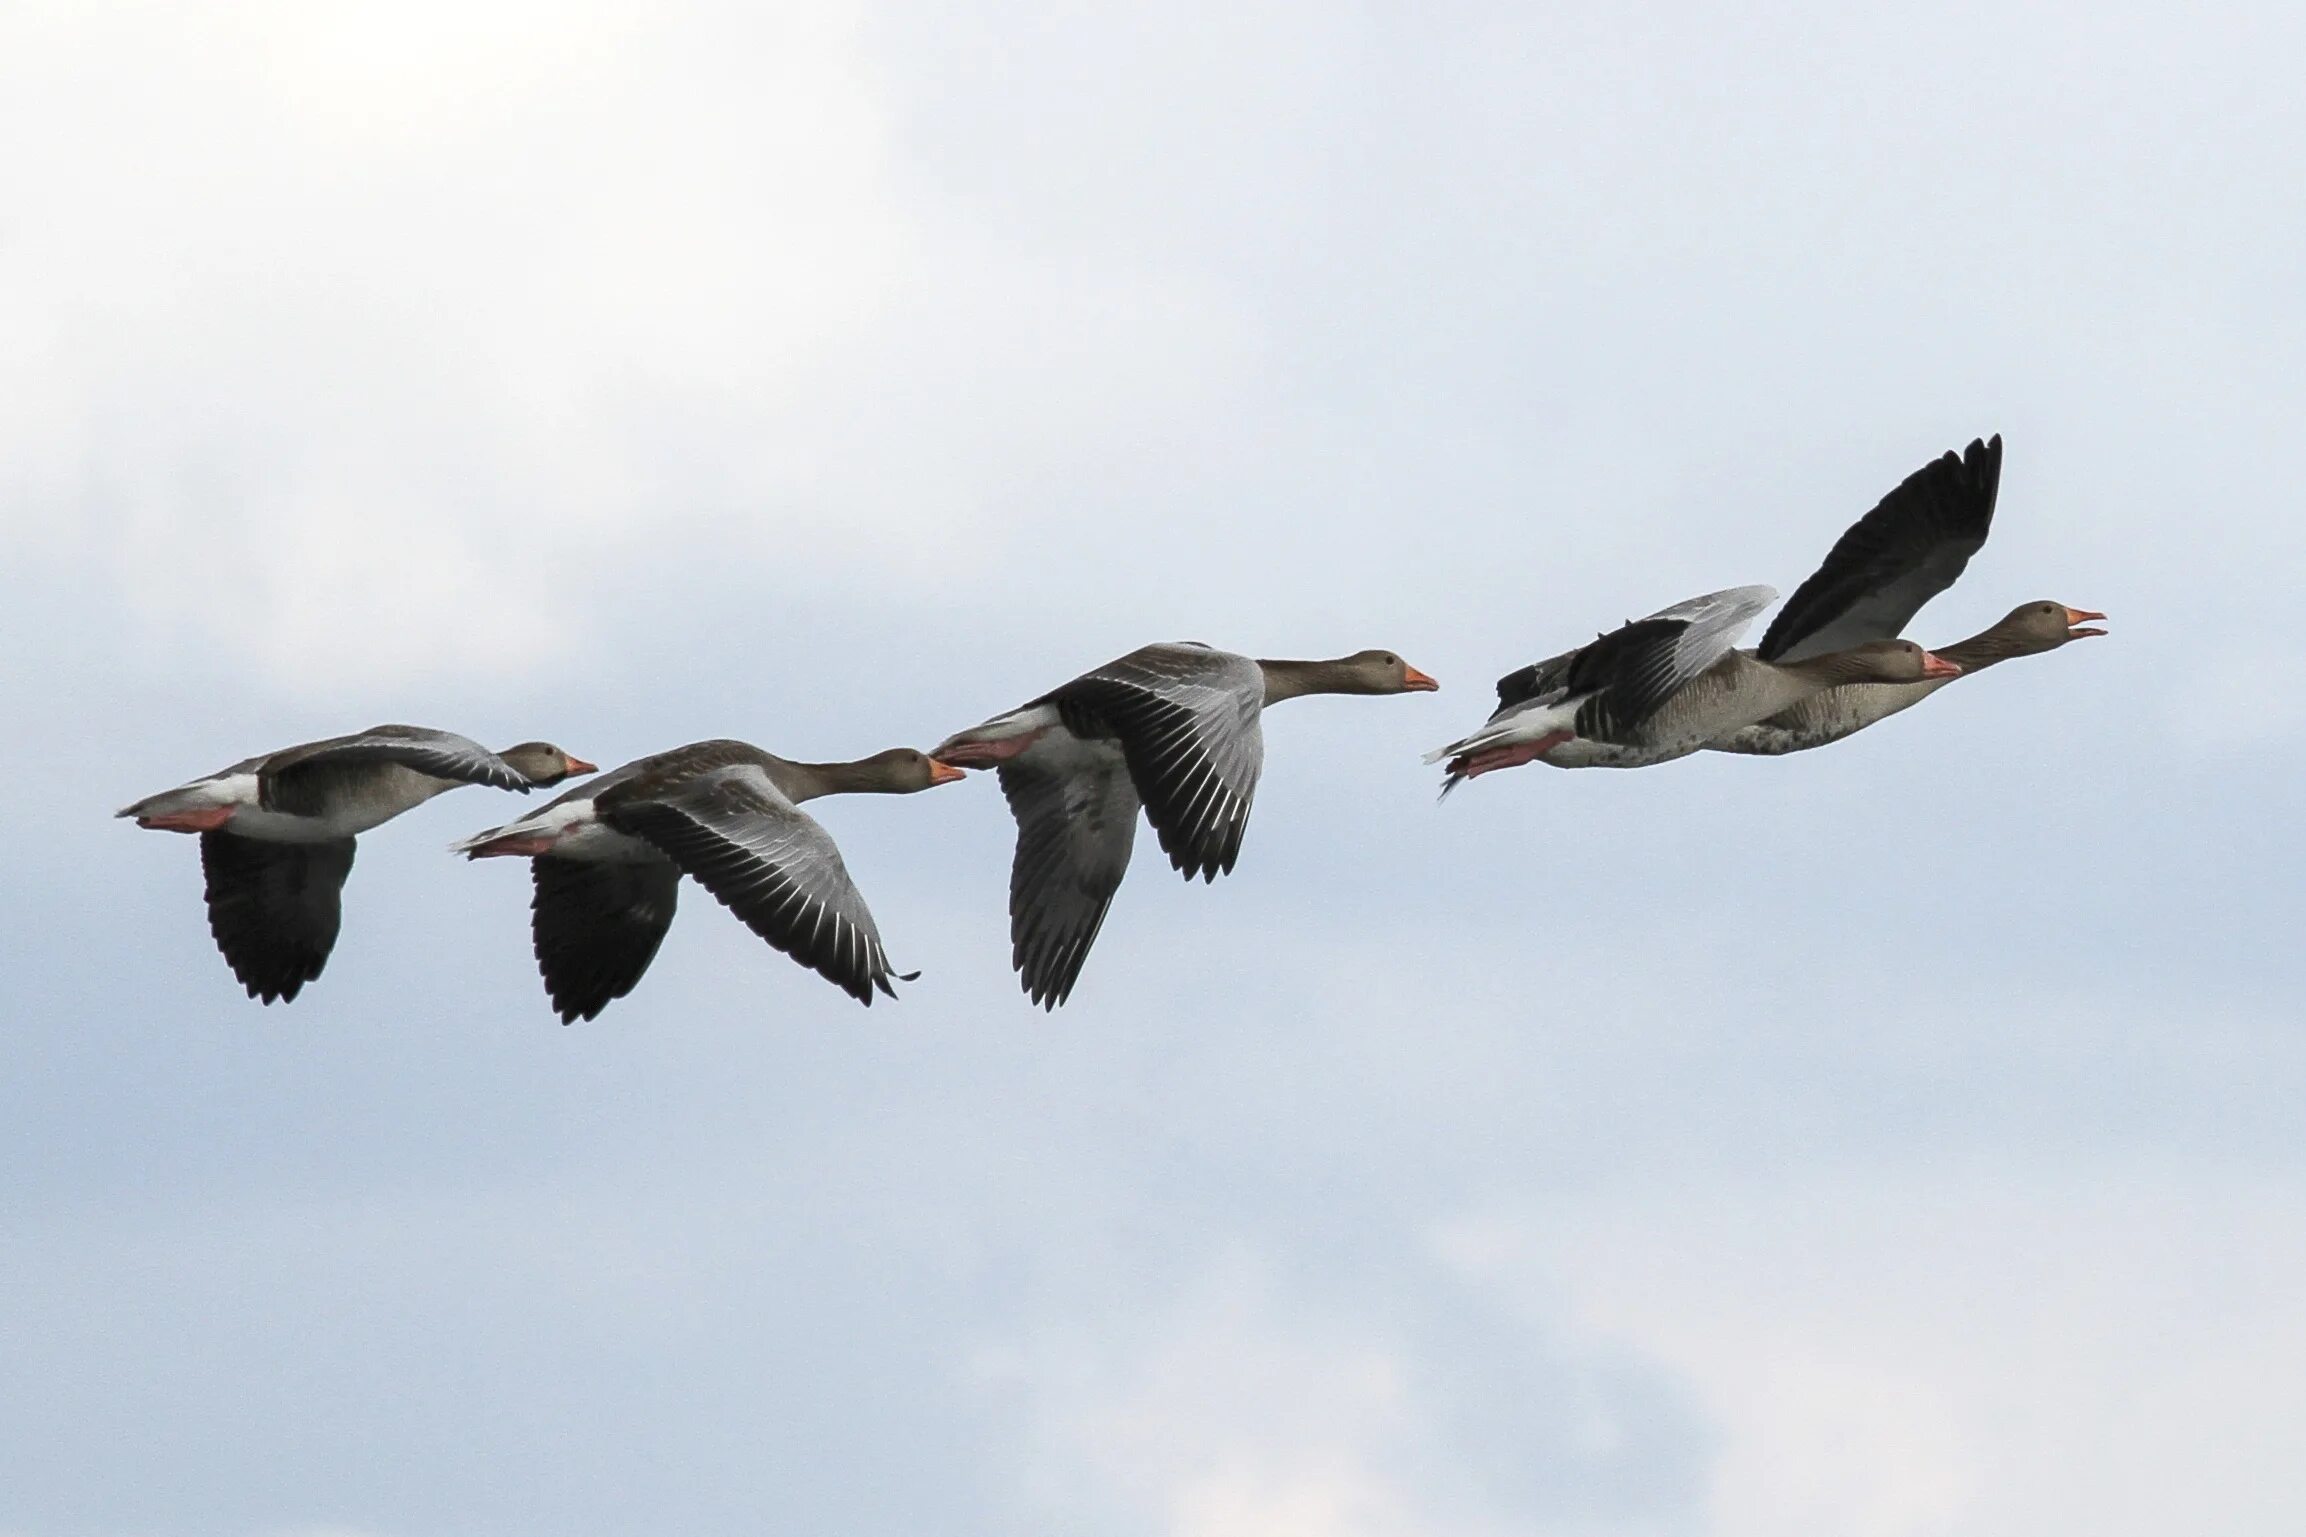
<point>1885,566</point>
<point>607,860</point>
<point>277,830</point>
<point>1660,688</point>
<point>1174,729</point>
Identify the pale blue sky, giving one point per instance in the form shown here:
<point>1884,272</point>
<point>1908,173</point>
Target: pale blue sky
<point>1896,1140</point>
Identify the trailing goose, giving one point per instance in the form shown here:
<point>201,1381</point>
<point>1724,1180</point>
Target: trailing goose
<point>607,860</point>
<point>1661,688</point>
<point>1903,553</point>
<point>277,830</point>
<point>1172,729</point>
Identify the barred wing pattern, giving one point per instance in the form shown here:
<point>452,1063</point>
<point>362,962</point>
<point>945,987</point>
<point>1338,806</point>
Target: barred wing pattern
<point>1187,719</point>
<point>772,865</point>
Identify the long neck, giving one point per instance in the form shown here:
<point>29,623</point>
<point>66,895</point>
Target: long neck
<point>807,781</point>
<point>1294,680</point>
<point>1984,649</point>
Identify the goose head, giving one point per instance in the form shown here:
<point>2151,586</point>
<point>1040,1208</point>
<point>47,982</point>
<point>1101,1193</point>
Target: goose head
<point>2045,626</point>
<point>545,765</point>
<point>1891,661</point>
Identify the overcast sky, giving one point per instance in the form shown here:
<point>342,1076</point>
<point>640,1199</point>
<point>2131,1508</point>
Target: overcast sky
<point>1901,1138</point>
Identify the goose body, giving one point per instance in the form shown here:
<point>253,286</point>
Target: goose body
<point>1912,546</point>
<point>1660,688</point>
<point>277,833</point>
<point>1173,730</point>
<point>607,858</point>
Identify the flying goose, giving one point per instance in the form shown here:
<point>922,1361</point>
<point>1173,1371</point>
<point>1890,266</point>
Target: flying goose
<point>1175,729</point>
<point>1903,553</point>
<point>607,860</point>
<point>277,830</point>
<point>1661,688</point>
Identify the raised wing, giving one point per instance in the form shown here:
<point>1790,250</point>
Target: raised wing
<point>1637,667</point>
<point>1076,812</point>
<point>597,926</point>
<point>301,780</point>
<point>274,908</point>
<point>1893,560</point>
<point>1652,656</point>
<point>772,865</point>
<point>1187,719</point>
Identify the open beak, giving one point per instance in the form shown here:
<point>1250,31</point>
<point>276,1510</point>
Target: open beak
<point>579,766</point>
<point>1415,681</point>
<point>1936,666</point>
<point>2077,617</point>
<point>943,773</point>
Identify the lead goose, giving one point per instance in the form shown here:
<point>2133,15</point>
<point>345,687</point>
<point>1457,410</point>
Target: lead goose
<point>607,860</point>
<point>1173,729</point>
<point>277,830</point>
<point>1903,553</point>
<point>1660,688</point>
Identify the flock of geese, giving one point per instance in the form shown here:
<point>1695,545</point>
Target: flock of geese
<point>1170,730</point>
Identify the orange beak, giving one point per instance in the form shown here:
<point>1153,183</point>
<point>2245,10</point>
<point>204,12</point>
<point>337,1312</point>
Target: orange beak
<point>578,765</point>
<point>1936,666</point>
<point>1415,681</point>
<point>2075,617</point>
<point>943,773</point>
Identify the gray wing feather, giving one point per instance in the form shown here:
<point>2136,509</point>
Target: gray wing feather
<point>771,864</point>
<point>274,908</point>
<point>1076,812</point>
<point>1903,553</point>
<point>307,777</point>
<point>1188,721</point>
<point>596,927</point>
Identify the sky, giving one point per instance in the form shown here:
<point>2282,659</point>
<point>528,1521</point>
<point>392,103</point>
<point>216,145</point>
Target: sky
<point>1894,1140</point>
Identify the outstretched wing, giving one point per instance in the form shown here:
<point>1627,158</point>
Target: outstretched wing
<point>1076,812</point>
<point>597,926</point>
<point>1893,560</point>
<point>274,908</point>
<point>1187,719</point>
<point>772,865</point>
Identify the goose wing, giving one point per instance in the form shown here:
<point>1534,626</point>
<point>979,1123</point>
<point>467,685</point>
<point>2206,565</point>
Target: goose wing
<point>274,908</point>
<point>597,925</point>
<point>304,780</point>
<point>1188,721</point>
<point>1893,560</point>
<point>770,863</point>
<point>1076,811</point>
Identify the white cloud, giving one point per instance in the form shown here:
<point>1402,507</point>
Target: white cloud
<point>357,342</point>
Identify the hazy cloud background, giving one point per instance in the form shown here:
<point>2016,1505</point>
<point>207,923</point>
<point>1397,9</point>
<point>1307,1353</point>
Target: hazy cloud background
<point>1899,1139</point>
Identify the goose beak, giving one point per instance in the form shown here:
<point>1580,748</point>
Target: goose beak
<point>577,765</point>
<point>1936,666</point>
<point>1415,681</point>
<point>2076,617</point>
<point>941,773</point>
